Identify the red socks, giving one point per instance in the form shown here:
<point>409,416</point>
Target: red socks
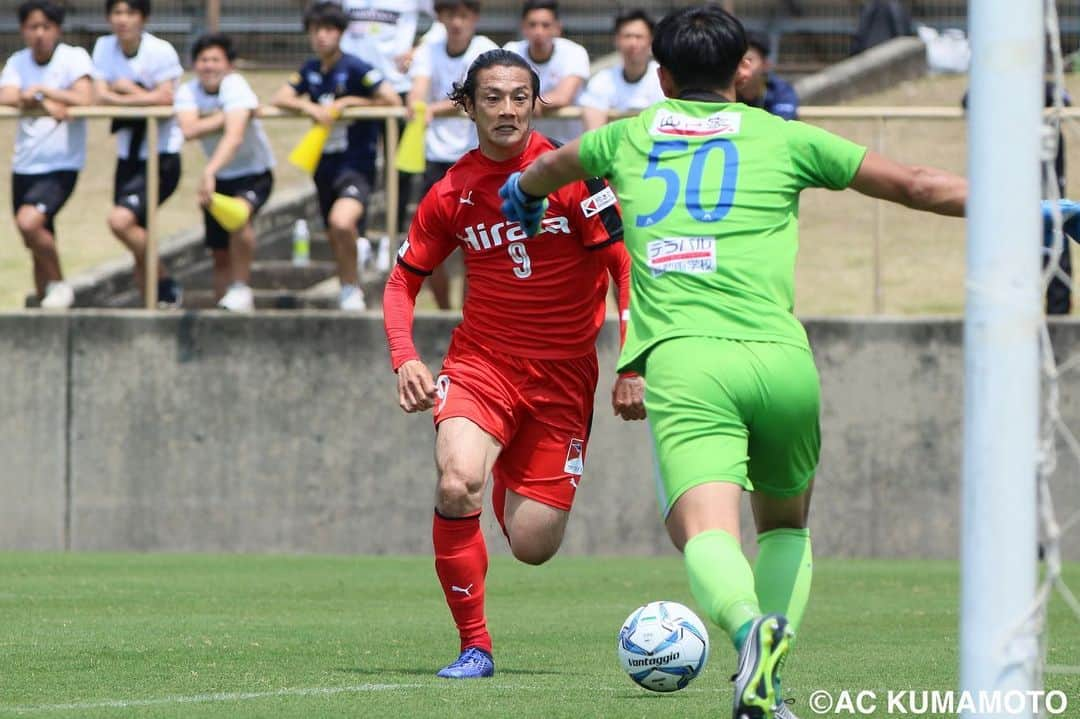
<point>461,561</point>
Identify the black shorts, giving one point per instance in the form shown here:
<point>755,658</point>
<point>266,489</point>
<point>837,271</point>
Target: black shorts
<point>335,179</point>
<point>253,188</point>
<point>46,192</point>
<point>433,172</point>
<point>129,187</point>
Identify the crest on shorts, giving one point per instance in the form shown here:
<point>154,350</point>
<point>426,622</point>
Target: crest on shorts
<point>575,457</point>
<point>442,388</point>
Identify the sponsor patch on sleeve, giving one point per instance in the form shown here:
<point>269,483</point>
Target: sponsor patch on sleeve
<point>594,204</point>
<point>675,124</point>
<point>688,255</point>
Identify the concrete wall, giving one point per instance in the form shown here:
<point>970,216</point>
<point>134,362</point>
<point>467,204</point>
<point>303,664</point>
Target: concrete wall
<point>877,69</point>
<point>280,433</point>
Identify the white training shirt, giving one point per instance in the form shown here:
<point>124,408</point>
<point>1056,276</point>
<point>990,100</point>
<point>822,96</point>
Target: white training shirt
<point>381,31</point>
<point>254,155</point>
<point>155,62</point>
<point>567,59</point>
<point>43,144</point>
<point>609,90</point>
<point>448,138</point>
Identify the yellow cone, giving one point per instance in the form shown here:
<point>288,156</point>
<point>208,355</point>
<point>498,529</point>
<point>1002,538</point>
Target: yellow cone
<point>308,151</point>
<point>230,212</point>
<point>410,152</point>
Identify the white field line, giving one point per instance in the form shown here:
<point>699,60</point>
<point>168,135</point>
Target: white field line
<point>206,698</point>
<point>287,692</point>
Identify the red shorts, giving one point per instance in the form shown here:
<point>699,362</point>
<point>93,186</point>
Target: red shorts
<point>540,411</point>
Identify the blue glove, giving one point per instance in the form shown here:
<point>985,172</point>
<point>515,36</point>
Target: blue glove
<point>521,207</point>
<point>1070,220</point>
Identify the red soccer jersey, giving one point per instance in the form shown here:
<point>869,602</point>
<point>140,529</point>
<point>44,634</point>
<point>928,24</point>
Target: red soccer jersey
<point>541,297</point>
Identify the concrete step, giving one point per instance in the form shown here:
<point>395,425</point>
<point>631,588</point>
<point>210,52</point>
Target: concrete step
<point>271,275</point>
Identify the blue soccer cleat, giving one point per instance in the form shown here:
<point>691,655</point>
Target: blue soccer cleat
<point>472,664</point>
<point>757,683</point>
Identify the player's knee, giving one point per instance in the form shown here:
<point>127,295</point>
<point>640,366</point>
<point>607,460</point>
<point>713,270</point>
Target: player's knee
<point>29,221</point>
<point>458,490</point>
<point>534,553</point>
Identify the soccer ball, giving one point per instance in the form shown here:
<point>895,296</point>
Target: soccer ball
<point>662,646</point>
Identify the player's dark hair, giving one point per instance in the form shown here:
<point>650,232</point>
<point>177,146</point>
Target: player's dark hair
<point>529,5</point>
<point>466,90</point>
<point>214,39</point>
<point>700,46</point>
<point>633,16</point>
<point>441,5</point>
<point>759,41</point>
<point>140,6</point>
<point>325,14</point>
<point>53,12</point>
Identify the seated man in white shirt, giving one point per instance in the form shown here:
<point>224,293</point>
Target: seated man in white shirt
<point>632,84</point>
<point>218,107</point>
<point>437,66</point>
<point>563,66</point>
<point>49,151</point>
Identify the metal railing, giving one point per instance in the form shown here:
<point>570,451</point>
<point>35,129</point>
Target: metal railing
<point>154,116</point>
<point>391,115</point>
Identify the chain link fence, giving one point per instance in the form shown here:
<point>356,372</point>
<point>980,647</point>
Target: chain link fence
<point>807,34</point>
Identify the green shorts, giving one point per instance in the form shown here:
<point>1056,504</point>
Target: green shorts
<point>732,411</point>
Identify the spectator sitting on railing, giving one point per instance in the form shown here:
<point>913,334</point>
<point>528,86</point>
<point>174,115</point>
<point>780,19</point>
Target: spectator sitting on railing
<point>49,151</point>
<point>437,67</point>
<point>563,66</point>
<point>132,68</point>
<point>757,85</point>
<point>633,83</point>
<point>218,107</point>
<point>324,87</point>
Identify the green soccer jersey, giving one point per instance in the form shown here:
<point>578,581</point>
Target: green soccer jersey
<point>710,202</point>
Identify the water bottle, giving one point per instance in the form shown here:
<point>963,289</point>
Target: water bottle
<point>301,244</point>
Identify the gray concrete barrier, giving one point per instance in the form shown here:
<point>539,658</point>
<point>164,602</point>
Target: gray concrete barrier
<point>279,432</point>
<point>877,69</point>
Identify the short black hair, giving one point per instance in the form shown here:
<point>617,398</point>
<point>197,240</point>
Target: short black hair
<point>632,16</point>
<point>325,14</point>
<point>700,46</point>
<point>140,6</point>
<point>214,39</point>
<point>529,5</point>
<point>759,41</point>
<point>466,90</point>
<point>54,12</point>
<point>473,5</point>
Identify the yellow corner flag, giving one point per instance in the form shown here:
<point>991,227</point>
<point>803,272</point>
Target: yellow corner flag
<point>230,212</point>
<point>410,152</point>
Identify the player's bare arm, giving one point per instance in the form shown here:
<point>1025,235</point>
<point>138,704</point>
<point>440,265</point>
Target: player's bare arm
<point>552,170</point>
<point>10,96</point>
<point>564,93</point>
<point>235,125</point>
<point>195,125</point>
<point>287,98</point>
<point>920,188</point>
<point>126,93</point>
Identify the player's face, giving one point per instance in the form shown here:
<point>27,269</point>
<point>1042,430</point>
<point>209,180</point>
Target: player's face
<point>211,66</point>
<point>502,109</point>
<point>40,34</point>
<point>325,40</point>
<point>540,28</point>
<point>634,42</point>
<point>460,23</point>
<point>126,24</point>
<point>751,75</point>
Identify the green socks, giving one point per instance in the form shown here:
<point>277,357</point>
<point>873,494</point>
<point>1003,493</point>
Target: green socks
<point>721,580</point>
<point>783,572</point>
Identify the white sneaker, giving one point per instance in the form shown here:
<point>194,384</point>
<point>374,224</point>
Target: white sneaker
<point>382,256</point>
<point>363,254</point>
<point>58,296</point>
<point>351,299</point>
<point>239,298</point>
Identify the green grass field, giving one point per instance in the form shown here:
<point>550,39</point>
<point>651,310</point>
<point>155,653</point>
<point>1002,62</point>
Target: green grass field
<point>89,635</point>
